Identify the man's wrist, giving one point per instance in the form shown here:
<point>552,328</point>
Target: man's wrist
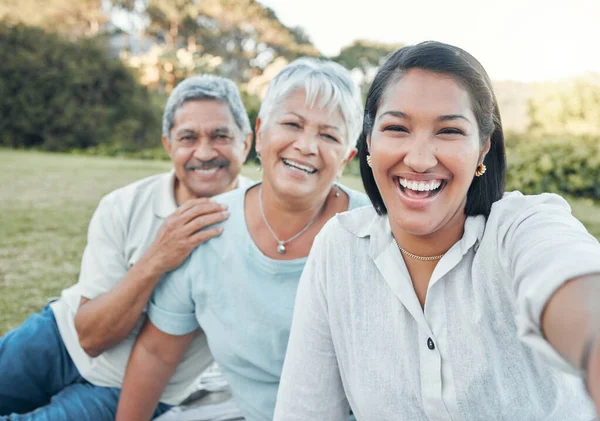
<point>150,268</point>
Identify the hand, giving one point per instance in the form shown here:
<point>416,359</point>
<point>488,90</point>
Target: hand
<point>183,231</point>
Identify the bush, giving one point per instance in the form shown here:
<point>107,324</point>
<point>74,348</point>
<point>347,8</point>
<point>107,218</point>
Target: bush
<point>559,166</point>
<point>60,95</point>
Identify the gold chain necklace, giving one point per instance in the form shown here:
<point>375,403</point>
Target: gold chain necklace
<point>416,257</point>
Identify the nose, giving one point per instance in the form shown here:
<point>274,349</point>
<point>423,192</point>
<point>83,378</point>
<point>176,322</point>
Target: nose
<point>420,155</point>
<point>204,151</point>
<point>306,143</point>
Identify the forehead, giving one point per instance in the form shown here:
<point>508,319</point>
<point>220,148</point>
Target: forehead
<point>312,110</point>
<point>421,92</point>
<point>204,114</point>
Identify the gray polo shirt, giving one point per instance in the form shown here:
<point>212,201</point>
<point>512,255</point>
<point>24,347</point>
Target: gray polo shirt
<point>121,230</point>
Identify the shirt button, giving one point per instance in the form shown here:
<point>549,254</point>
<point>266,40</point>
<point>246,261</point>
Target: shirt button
<point>430,344</point>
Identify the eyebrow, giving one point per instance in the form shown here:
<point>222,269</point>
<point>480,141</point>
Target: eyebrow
<point>221,130</point>
<point>182,132</point>
<point>447,117</point>
<point>323,126</point>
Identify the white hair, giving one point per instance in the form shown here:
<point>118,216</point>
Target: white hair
<point>327,85</point>
<point>209,87</point>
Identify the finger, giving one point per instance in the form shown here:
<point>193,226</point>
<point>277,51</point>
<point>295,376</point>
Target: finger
<point>186,206</point>
<point>205,235</point>
<point>204,221</point>
<point>201,209</point>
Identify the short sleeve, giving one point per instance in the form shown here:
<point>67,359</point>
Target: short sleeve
<point>103,263</point>
<point>172,308</point>
<point>542,246</point>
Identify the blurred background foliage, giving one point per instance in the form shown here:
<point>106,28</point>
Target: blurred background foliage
<point>92,76</point>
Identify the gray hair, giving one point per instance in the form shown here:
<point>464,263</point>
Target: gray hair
<point>327,85</point>
<point>209,87</point>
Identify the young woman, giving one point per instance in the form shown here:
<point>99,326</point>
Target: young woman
<point>449,300</point>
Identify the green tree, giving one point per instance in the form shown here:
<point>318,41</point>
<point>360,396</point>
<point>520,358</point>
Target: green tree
<point>363,58</point>
<point>60,95</point>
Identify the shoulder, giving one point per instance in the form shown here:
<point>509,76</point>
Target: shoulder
<point>515,201</point>
<point>131,192</point>
<point>347,227</point>
<point>356,199</point>
<point>233,237</point>
<point>233,197</point>
<point>139,194</point>
<point>515,207</point>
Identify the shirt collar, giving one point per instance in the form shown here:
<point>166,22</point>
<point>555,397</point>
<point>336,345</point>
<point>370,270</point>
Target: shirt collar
<point>380,232</point>
<point>164,195</point>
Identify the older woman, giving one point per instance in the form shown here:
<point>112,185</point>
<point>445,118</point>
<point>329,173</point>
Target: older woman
<point>240,287</point>
<point>412,310</point>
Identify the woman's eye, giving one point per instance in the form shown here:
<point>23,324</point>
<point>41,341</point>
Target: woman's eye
<point>452,131</point>
<point>395,129</point>
<point>292,124</point>
<point>330,137</point>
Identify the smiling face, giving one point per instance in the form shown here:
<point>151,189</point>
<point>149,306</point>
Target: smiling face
<point>425,147</point>
<point>302,149</point>
<point>207,149</point>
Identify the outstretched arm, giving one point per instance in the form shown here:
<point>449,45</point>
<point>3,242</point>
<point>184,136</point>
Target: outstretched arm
<point>106,319</point>
<point>153,361</point>
<point>555,266</point>
<point>571,323</point>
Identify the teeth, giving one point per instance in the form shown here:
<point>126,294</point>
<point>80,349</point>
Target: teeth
<point>420,185</point>
<point>299,166</point>
<point>207,171</point>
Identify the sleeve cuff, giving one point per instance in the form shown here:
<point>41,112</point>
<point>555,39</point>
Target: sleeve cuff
<point>172,323</point>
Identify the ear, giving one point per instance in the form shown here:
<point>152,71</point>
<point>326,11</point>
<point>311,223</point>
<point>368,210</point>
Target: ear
<point>485,149</point>
<point>368,142</point>
<point>258,136</point>
<point>166,144</point>
<point>351,155</point>
<point>247,146</point>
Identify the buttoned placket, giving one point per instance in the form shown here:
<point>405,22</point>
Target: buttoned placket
<point>439,399</point>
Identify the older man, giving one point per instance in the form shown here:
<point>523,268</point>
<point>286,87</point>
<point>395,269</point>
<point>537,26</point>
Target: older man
<point>68,362</point>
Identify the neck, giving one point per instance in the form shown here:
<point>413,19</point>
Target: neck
<point>288,217</point>
<point>182,194</point>
<point>433,244</point>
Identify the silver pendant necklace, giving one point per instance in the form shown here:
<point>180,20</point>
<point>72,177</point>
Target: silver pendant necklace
<point>281,243</point>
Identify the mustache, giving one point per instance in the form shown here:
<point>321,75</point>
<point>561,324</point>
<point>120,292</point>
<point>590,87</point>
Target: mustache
<point>207,165</point>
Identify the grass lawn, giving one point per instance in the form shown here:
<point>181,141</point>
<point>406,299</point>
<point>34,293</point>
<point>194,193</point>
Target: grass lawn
<point>46,202</point>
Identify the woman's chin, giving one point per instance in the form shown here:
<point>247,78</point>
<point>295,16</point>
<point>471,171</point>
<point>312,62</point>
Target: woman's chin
<point>418,227</point>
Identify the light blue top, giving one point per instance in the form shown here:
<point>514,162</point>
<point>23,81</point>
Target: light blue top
<point>243,300</point>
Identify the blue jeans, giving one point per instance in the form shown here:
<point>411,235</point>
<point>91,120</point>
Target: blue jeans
<point>39,382</point>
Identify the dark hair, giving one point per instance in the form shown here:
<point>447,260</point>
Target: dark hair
<point>466,70</point>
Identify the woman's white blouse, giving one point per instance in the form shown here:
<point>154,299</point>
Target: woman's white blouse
<point>475,352</point>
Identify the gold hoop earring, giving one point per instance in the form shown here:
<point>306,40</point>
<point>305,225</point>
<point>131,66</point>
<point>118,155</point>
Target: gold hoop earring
<point>369,162</point>
<point>481,169</point>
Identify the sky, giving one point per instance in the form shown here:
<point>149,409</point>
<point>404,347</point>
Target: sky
<point>521,40</point>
